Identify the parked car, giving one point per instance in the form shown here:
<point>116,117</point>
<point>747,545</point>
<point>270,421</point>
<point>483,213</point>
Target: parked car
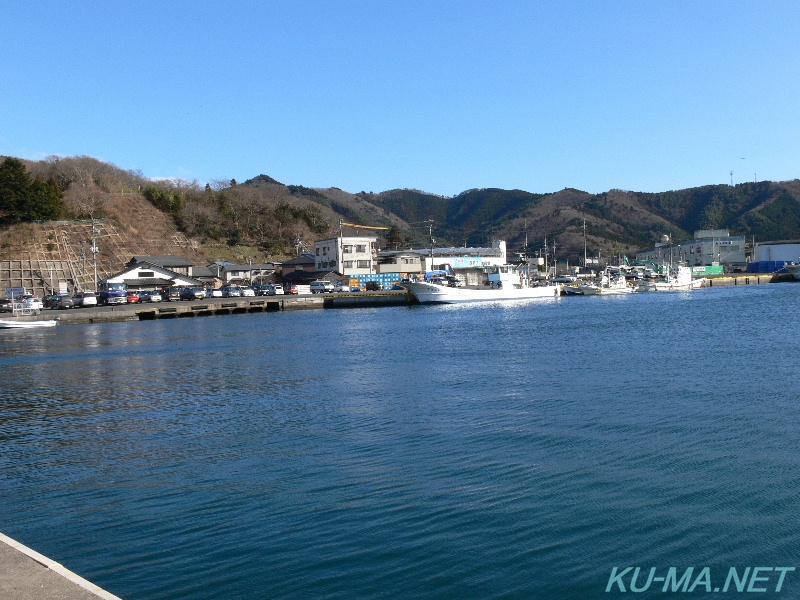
<point>320,287</point>
<point>373,286</point>
<point>341,286</point>
<point>133,297</point>
<point>5,305</point>
<point>61,302</point>
<point>290,288</point>
<point>47,301</point>
<point>191,293</point>
<point>272,289</point>
<point>231,291</point>
<point>170,294</point>
<point>85,299</point>
<point>213,293</point>
<point>150,296</point>
<point>248,291</point>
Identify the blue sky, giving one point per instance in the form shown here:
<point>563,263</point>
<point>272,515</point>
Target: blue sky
<point>439,96</point>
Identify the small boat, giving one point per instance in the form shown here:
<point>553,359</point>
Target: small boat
<point>27,324</point>
<point>607,286</point>
<point>506,283</point>
<point>674,281</point>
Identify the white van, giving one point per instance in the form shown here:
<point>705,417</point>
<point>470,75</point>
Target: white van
<point>321,287</point>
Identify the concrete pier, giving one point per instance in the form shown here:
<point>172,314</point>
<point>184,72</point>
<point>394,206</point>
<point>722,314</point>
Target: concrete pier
<point>27,575</point>
<point>748,279</point>
<point>216,306</point>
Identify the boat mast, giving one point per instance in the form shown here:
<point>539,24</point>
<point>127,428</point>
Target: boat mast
<point>584,243</point>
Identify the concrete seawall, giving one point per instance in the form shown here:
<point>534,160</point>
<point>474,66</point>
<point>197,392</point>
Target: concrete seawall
<point>748,279</point>
<point>217,306</point>
<point>227,306</point>
<point>27,575</point>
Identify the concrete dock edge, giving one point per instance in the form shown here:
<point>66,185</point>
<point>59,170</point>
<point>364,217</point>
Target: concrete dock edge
<point>19,576</point>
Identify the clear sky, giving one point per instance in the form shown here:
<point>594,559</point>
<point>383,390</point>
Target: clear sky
<point>435,95</point>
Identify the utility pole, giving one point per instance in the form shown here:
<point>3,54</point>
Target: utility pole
<point>584,243</point>
<point>95,250</point>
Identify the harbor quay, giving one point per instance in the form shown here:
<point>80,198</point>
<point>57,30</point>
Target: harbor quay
<point>219,306</point>
<point>227,306</point>
<point>27,575</point>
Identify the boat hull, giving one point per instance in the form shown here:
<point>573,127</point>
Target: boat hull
<point>598,290</point>
<point>430,293</point>
<point>26,324</point>
<point>794,270</point>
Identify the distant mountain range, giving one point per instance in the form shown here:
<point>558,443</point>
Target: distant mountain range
<point>616,222</point>
<point>264,219</point>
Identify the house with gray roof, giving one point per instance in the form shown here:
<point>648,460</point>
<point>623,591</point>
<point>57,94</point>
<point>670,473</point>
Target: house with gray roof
<point>144,275</point>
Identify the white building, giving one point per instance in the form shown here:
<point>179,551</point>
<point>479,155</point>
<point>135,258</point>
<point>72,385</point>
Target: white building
<point>346,255</point>
<point>778,251</point>
<point>708,247</point>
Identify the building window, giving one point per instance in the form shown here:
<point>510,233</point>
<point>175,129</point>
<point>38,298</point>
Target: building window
<point>332,263</point>
<point>348,264</point>
<point>348,249</point>
<point>363,264</point>
<point>146,274</point>
<point>317,251</point>
<point>361,248</point>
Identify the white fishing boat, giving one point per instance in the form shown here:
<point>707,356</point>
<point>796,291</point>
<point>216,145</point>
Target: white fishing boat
<point>677,280</point>
<point>506,283</point>
<point>607,286</point>
<point>794,270</point>
<point>27,324</point>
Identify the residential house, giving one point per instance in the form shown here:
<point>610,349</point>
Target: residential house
<point>143,275</point>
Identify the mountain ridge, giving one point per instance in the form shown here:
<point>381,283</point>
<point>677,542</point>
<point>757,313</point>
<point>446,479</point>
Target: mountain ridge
<point>263,219</point>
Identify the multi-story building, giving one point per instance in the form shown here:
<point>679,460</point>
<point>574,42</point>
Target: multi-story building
<point>346,255</point>
<point>708,247</point>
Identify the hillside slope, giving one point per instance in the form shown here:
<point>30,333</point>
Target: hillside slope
<point>263,219</point>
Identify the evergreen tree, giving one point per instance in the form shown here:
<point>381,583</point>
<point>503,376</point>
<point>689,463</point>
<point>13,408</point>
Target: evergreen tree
<point>24,199</point>
<point>44,201</point>
<point>14,185</point>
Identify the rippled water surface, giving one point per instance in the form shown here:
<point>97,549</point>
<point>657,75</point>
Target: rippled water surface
<point>424,452</point>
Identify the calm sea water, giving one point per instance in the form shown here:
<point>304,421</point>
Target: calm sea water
<point>518,451</point>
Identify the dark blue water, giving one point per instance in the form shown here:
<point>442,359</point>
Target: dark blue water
<point>519,451</point>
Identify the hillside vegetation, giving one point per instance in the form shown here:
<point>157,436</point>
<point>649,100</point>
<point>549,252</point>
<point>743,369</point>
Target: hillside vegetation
<point>262,219</point>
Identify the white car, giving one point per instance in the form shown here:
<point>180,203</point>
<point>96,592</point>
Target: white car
<point>320,287</point>
<point>248,291</point>
<point>213,293</point>
<point>85,299</point>
<point>33,303</point>
<point>150,296</point>
<point>274,290</point>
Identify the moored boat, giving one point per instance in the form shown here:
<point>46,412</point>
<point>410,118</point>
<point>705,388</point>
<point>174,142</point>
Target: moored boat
<point>794,270</point>
<point>678,280</point>
<point>607,286</point>
<point>27,324</point>
<point>506,283</point>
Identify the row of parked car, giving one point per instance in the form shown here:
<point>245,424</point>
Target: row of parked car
<point>89,299</point>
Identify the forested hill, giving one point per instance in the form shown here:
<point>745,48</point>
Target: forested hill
<point>617,221</point>
<point>264,219</point>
